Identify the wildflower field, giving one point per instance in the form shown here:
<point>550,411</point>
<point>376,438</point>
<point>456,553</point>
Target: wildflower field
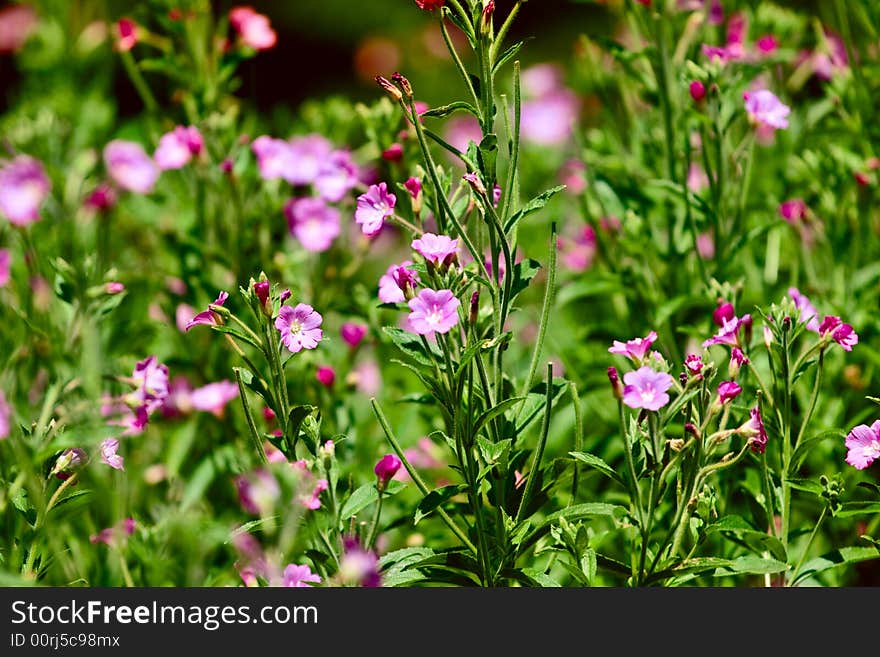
<point>514,293</point>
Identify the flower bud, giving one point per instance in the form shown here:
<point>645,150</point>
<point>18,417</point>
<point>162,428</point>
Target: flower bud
<point>475,308</point>
<point>385,469</point>
<point>326,376</point>
<point>261,289</point>
<point>392,91</point>
<point>616,386</point>
<point>698,91</point>
<point>403,84</point>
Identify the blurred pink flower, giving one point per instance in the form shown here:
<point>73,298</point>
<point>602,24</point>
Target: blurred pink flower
<point>177,148</point>
<point>23,188</point>
<point>366,378</point>
<point>5,417</point>
<point>307,153</point>
<point>337,176</point>
<point>130,166</point>
<point>214,397</point>
<point>5,259</point>
<point>314,223</point>
<point>254,29</point>
<point>764,108</point>
<point>17,23</point>
<point>299,576</point>
<point>353,333</point>
<point>576,253</point>
<point>109,455</point>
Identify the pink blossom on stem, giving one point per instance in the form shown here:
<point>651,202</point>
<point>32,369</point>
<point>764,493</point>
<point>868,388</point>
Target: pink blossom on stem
<point>387,467</point>
<point>337,176</point>
<point>177,148</point>
<point>635,349</point>
<point>728,390</point>
<point>254,29</point>
<point>213,397</point>
<point>808,313</point>
<point>373,207</point>
<point>299,576</point>
<point>325,375</point>
<point>299,327</point>
<point>764,108</point>
<point>390,290</point>
<point>440,250</point>
<point>306,155</point>
<point>646,388</point>
<point>109,456</point>
<point>863,445</point>
<point>353,333</point>
<point>433,311</point>
<point>208,317</point>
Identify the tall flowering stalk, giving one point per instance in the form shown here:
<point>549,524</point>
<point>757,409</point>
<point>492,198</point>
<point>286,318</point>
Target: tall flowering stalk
<point>461,297</point>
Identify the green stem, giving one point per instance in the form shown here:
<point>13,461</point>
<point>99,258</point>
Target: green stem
<point>255,435</point>
<point>531,480</point>
<point>375,525</point>
<point>797,568</point>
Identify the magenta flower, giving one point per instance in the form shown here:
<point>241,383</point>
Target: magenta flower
<point>393,281</point>
<point>635,349</point>
<point>358,566</point>
<point>764,108</point>
<point>337,176</point>
<point>258,492</point>
<point>111,535</point>
<point>808,313</point>
<point>24,186</point>
<point>793,210</point>
<point>754,430</point>
<point>313,500</point>
<point>326,376</point>
<point>151,380</point>
<point>729,332</point>
<point>109,455</point>
<point>414,187</point>
<point>697,90</point>
<point>728,390</point>
<point>5,416</point>
<point>433,311</point>
<point>440,250</point>
<point>307,154</point>
<point>314,223</point>
<point>387,467</point>
<point>130,166</point>
<point>373,208</point>
<point>723,313</point>
<point>766,44</point>
<point>353,333</point>
<point>5,267</point>
<point>646,388</point>
<point>208,316</point>
<point>254,29</point>
<point>738,357</point>
<point>693,363</point>
<point>299,327</point>
<point>299,576</point>
<point>177,148</point>
<point>214,397</point>
<point>842,334</point>
<point>863,445</point>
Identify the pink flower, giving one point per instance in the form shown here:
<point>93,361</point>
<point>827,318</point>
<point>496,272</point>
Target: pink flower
<point>429,5</point>
<point>767,44</point>
<point>723,313</point>
<point>577,253</point>
<point>808,313</point>
<point>697,90</point>
<point>863,445</point>
<point>693,363</point>
<point>337,176</point>
<point>102,198</point>
<point>754,430</point>
<point>394,153</point>
<point>130,166</point>
<point>793,210</point>
<point>440,250</point>
<point>258,492</point>
<point>4,267</point>
<point>299,576</point>
<point>23,188</point>
<point>326,376</point>
<point>109,455</point>
<point>127,37</point>
<point>549,120</point>
<point>729,332</point>
<point>697,180</point>
<point>461,130</point>
<point>634,349</point>
<point>373,208</point>
<point>366,378</point>
<point>738,358</point>
<point>214,397</point>
<point>433,311</point>
<point>5,415</point>
<point>387,467</point>
<point>359,566</point>
<point>111,535</point>
<point>313,500</point>
<point>764,108</point>
<point>208,316</point>
<point>151,380</point>
<point>353,333</point>
<point>414,187</point>
<point>17,23</point>
<point>253,28</point>
<point>314,223</point>
<point>299,327</point>
<point>177,148</point>
<point>705,246</point>
<point>114,287</point>
<point>275,158</point>
<point>646,388</point>
<point>395,279</point>
<point>307,153</point>
<point>728,390</point>
<point>842,334</point>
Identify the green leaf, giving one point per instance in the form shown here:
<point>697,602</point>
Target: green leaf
<point>234,332</point>
<point>523,273</point>
<point>509,54</point>
<point>446,110</point>
<point>806,445</point>
<point>835,559</point>
<point>751,564</point>
<point>540,578</point>
<point>534,205</point>
<point>435,499</point>
<point>741,528</point>
<point>806,485</point>
<point>850,509</point>
<point>411,345</point>
<point>294,422</point>
<point>198,483</point>
<point>494,412</point>
<point>360,499</point>
<point>573,513</point>
<point>493,453</point>
<point>598,464</point>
